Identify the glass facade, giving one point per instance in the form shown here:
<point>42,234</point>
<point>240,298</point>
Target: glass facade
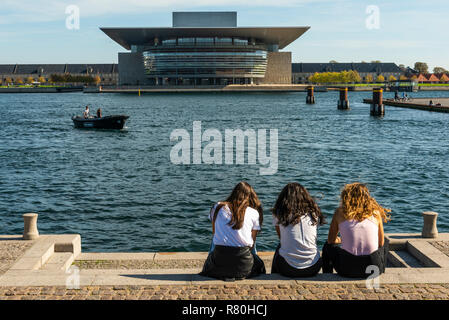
<point>205,60</point>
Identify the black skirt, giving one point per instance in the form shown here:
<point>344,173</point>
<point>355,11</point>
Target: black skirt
<point>351,266</point>
<point>232,263</point>
<point>281,266</point>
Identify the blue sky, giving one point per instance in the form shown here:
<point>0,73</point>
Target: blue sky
<point>409,31</point>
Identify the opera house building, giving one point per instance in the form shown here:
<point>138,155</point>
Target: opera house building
<point>204,48</point>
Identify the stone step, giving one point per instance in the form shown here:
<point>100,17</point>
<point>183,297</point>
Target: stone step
<point>59,261</point>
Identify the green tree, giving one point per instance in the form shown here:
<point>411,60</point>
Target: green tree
<point>439,70</point>
<point>421,67</point>
<point>375,61</point>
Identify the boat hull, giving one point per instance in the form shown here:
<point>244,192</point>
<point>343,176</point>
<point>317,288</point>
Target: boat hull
<point>108,122</point>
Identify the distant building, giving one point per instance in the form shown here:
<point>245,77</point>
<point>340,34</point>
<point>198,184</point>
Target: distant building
<point>204,48</point>
<point>302,71</point>
<point>108,73</point>
<point>432,78</point>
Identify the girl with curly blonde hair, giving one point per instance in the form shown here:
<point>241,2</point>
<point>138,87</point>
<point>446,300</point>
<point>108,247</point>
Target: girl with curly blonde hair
<point>359,220</point>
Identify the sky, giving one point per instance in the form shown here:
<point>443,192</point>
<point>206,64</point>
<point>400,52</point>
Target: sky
<point>400,31</point>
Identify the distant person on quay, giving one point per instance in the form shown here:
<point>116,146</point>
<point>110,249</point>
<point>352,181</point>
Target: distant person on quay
<point>359,220</point>
<point>235,224</point>
<point>296,218</point>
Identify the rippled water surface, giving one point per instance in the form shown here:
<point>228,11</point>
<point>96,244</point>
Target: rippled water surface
<point>119,190</point>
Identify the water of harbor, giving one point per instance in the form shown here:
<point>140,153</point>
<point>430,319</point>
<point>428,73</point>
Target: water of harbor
<point>119,190</point>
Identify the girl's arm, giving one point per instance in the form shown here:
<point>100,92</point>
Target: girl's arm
<point>254,235</point>
<point>381,232</point>
<point>333,229</point>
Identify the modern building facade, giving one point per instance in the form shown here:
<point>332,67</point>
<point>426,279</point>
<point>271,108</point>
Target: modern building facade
<point>302,71</point>
<point>204,48</point>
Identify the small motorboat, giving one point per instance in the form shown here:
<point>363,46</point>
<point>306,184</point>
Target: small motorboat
<point>107,122</point>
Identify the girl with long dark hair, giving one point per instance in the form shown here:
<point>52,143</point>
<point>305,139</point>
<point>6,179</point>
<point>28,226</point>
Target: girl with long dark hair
<point>235,224</point>
<point>296,217</point>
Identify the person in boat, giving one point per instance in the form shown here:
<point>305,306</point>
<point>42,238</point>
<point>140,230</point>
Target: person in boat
<point>235,224</point>
<point>361,245</point>
<point>99,113</point>
<point>86,112</point>
<point>296,217</point>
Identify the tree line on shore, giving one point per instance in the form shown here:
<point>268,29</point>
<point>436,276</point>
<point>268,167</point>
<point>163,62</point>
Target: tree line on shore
<point>54,79</point>
<point>350,76</point>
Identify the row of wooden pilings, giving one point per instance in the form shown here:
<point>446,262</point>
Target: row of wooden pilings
<point>377,107</point>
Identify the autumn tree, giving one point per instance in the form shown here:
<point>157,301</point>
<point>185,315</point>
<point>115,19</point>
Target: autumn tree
<point>41,79</point>
<point>392,78</point>
<point>369,79</point>
<point>402,77</point>
<point>30,80</point>
<point>97,80</point>
<point>354,76</point>
<point>19,80</point>
<point>380,78</point>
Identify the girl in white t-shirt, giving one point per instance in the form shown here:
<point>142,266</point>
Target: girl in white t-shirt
<point>235,224</point>
<point>296,218</point>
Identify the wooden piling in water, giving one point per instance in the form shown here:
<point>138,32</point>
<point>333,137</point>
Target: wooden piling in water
<point>310,98</point>
<point>343,102</point>
<point>377,107</point>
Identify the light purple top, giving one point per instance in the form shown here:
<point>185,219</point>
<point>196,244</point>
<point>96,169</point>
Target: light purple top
<point>359,238</point>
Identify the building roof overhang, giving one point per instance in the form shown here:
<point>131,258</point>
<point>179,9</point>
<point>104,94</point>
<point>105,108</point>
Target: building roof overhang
<point>281,36</point>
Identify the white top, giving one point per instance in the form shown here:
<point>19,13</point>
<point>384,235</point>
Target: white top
<point>226,236</point>
<point>298,243</point>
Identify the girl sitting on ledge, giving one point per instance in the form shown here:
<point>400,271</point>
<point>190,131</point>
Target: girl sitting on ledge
<point>359,220</point>
<point>235,224</point>
<point>296,218</point>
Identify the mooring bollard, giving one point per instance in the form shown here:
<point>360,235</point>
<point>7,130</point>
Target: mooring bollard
<point>377,106</point>
<point>30,231</point>
<point>310,98</point>
<point>429,229</point>
<point>343,102</point>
